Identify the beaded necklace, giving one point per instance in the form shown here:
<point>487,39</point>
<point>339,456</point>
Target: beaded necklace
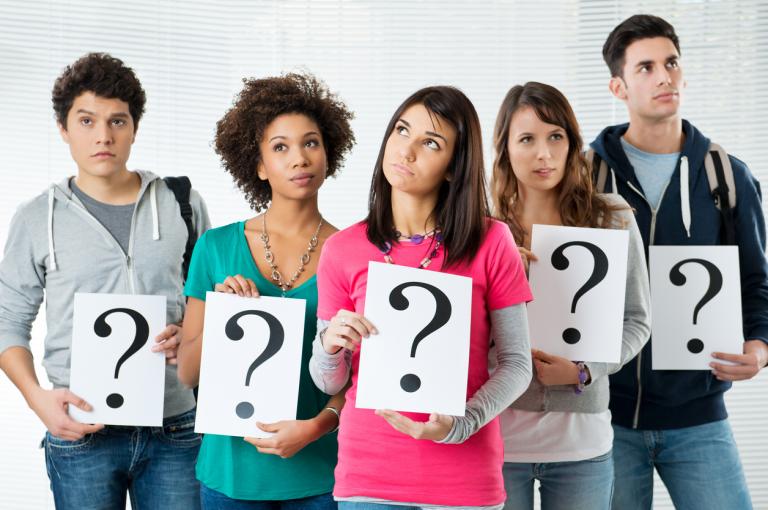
<point>432,250</point>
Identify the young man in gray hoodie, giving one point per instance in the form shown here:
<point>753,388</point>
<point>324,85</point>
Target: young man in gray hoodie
<point>107,230</point>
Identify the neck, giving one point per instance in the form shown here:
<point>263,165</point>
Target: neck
<point>412,214</point>
<point>656,136</point>
<point>120,188</point>
<point>535,206</point>
<point>293,217</point>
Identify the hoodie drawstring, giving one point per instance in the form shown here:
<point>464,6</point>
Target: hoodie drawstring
<point>614,189</point>
<point>153,200</point>
<point>685,198</point>
<point>51,252</point>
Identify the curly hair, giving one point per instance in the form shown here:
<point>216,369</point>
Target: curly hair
<point>240,131</point>
<point>580,204</point>
<point>105,76</point>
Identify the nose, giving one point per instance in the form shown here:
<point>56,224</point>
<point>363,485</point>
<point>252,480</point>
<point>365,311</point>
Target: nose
<point>542,150</point>
<point>406,151</point>
<point>301,160</point>
<point>664,77</point>
<point>104,134</point>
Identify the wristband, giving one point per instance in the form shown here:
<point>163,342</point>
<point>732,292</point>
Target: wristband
<point>579,389</point>
<point>338,417</point>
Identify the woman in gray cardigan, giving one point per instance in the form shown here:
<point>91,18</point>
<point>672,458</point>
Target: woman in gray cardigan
<point>559,432</point>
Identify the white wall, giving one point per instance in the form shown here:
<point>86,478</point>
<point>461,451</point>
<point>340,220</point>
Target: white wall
<point>190,57</point>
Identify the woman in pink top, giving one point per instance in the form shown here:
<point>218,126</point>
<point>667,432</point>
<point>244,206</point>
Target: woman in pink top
<point>427,209</point>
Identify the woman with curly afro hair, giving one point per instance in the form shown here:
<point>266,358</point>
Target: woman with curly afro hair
<point>281,139</point>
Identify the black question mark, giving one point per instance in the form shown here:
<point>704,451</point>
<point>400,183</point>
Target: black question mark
<point>276,336</point>
<point>101,328</point>
<point>676,276</point>
<point>599,270</point>
<point>411,382</point>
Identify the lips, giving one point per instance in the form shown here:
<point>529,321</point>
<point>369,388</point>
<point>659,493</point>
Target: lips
<point>302,179</point>
<point>544,172</point>
<point>402,169</point>
<point>103,155</point>
<point>666,96</point>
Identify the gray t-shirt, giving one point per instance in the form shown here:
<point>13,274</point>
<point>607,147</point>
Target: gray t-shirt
<point>115,218</point>
<point>652,170</point>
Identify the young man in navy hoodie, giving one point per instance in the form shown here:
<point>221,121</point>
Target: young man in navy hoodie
<point>676,421</point>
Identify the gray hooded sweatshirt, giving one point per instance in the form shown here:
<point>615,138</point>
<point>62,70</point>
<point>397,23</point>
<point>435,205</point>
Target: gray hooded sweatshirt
<point>55,248</point>
<point>636,332</point>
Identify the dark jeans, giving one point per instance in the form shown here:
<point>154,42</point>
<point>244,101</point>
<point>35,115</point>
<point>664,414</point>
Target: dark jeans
<point>215,500</point>
<point>155,465</point>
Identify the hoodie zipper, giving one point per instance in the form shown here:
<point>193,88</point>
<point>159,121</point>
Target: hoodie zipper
<point>654,211</point>
<point>127,257</point>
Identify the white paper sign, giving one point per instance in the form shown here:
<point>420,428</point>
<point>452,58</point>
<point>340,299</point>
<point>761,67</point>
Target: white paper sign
<point>578,287</point>
<point>419,361</point>
<point>113,367</point>
<point>251,363</point>
<point>695,305</point>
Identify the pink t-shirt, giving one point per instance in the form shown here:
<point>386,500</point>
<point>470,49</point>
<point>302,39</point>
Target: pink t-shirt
<point>375,460</point>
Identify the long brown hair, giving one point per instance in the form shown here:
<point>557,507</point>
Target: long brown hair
<point>462,206</point>
<point>580,206</point>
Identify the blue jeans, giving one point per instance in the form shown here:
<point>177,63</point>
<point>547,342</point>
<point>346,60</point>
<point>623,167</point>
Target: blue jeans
<point>584,484</point>
<point>214,500</point>
<point>699,465</point>
<point>155,465</point>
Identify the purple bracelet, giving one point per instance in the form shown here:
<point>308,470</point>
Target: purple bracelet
<point>579,389</point>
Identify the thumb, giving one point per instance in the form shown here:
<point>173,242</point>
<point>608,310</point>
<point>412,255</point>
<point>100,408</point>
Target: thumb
<point>76,401</point>
<point>542,356</point>
<point>269,427</point>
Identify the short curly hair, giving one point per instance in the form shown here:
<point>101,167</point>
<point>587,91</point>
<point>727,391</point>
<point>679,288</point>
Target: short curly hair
<point>105,76</point>
<point>240,131</point>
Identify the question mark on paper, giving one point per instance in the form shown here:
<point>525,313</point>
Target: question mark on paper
<point>411,382</point>
<point>102,329</point>
<point>676,276</point>
<point>599,270</point>
<point>276,336</point>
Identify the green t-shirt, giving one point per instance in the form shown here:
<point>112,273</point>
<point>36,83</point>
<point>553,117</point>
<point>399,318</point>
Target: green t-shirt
<point>229,464</point>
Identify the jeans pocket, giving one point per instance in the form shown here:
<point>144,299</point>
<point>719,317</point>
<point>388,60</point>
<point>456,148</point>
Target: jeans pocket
<point>180,430</point>
<point>62,447</point>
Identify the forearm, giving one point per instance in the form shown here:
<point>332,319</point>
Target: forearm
<point>509,329</point>
<point>17,364</point>
<point>326,420</point>
<point>191,348</point>
<point>330,372</point>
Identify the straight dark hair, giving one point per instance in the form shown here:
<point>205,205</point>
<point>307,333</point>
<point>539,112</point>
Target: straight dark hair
<point>634,28</point>
<point>462,205</point>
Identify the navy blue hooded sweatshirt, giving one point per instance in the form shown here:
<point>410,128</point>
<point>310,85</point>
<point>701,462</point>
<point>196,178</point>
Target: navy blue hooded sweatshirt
<point>666,399</point>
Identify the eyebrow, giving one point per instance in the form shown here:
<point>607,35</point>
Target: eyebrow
<point>281,137</point>
<point>118,114</point>
<point>647,62</point>
<point>430,133</point>
<point>556,130</point>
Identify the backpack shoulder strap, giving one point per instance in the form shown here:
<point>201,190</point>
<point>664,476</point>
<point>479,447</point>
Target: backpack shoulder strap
<point>181,187</point>
<point>599,170</point>
<point>723,188</point>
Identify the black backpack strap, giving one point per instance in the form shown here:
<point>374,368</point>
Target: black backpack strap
<point>181,187</point>
<point>723,189</point>
<point>599,170</point>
